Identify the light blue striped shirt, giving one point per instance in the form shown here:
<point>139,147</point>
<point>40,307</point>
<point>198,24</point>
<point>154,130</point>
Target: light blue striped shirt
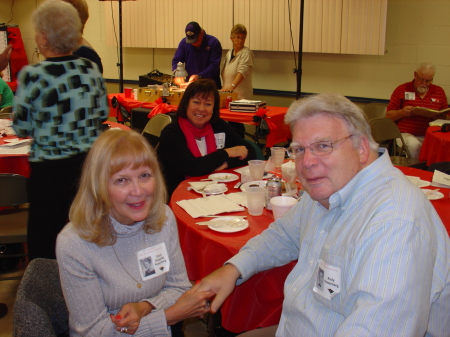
<point>391,247</point>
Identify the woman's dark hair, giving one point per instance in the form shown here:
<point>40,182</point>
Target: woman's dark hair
<point>203,88</point>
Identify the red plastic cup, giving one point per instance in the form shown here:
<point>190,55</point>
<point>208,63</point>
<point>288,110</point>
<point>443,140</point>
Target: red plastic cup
<point>128,92</point>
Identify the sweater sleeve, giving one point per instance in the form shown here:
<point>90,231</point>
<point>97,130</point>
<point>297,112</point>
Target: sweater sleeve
<point>23,104</point>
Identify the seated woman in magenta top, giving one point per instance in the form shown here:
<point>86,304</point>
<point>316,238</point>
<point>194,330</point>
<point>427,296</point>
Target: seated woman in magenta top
<point>198,142</point>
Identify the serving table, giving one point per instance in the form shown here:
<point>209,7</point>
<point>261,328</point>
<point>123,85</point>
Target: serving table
<point>257,302</point>
<point>14,163</point>
<point>278,131</point>
<point>436,146</point>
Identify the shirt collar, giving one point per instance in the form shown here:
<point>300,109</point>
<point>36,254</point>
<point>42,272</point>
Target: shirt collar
<point>342,197</point>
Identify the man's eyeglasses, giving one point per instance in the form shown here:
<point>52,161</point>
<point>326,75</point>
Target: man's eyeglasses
<point>422,80</point>
<point>317,149</point>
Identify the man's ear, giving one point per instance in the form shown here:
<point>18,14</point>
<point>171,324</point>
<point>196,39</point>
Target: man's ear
<point>364,150</point>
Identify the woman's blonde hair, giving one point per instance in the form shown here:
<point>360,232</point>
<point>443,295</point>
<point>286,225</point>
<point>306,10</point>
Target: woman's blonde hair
<point>113,151</point>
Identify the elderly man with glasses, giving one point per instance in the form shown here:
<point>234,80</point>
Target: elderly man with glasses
<point>418,93</point>
<point>382,248</point>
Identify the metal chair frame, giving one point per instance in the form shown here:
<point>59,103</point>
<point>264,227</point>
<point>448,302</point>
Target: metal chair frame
<point>385,129</point>
<point>154,126</point>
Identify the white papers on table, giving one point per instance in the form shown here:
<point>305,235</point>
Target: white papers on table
<point>238,197</point>
<point>6,127</point>
<point>440,179</point>
<point>211,205</point>
<point>16,146</point>
<point>438,122</point>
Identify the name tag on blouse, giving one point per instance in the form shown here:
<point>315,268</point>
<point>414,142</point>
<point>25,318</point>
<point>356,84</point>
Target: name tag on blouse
<point>328,282</point>
<point>153,261</point>
<point>220,140</point>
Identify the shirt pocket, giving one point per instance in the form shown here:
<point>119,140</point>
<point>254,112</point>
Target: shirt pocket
<point>337,302</point>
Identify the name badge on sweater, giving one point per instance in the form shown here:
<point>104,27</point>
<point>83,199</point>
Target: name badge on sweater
<point>410,96</point>
<point>220,140</point>
<point>328,282</point>
<point>153,261</point>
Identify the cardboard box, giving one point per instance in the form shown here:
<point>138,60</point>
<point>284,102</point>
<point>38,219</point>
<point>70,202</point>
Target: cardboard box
<point>223,98</point>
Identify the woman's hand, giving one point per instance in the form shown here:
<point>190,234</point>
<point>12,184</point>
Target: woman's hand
<point>222,167</point>
<point>227,89</point>
<point>190,304</point>
<point>129,316</point>
<point>240,152</point>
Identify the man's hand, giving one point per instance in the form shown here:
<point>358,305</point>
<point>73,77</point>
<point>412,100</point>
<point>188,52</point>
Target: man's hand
<point>190,304</point>
<point>407,110</point>
<point>221,282</point>
<point>237,151</point>
<point>193,78</point>
<point>4,57</point>
<point>179,81</point>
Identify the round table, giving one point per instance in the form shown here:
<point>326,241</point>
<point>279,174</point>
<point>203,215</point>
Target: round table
<point>257,302</point>
<point>435,147</point>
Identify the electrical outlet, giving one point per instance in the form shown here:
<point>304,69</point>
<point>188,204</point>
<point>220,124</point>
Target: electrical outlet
<point>36,50</point>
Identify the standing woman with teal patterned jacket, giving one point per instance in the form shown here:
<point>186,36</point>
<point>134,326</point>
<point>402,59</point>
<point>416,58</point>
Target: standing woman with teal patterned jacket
<point>61,103</point>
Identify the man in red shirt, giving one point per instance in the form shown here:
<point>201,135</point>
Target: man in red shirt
<point>418,93</point>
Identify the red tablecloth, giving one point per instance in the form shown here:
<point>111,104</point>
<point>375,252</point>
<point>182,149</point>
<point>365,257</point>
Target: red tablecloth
<point>257,302</point>
<point>14,163</point>
<point>442,206</point>
<point>279,132</point>
<point>18,163</point>
<point>436,146</point>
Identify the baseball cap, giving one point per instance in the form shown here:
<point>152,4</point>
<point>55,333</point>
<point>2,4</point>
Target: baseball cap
<point>192,31</point>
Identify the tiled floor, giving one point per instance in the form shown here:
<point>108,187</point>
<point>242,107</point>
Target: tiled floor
<point>192,327</point>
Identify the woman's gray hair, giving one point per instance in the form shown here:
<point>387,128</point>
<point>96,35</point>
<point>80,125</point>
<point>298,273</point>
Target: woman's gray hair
<point>337,106</point>
<point>60,23</point>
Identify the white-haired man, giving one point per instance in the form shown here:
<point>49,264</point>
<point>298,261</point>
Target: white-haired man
<point>382,248</point>
<point>420,92</point>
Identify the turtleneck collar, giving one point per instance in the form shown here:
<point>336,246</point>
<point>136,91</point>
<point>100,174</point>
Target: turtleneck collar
<point>124,231</point>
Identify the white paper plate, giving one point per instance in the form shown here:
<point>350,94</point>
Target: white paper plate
<point>229,224</point>
<point>423,183</point>
<point>223,190</point>
<point>223,177</point>
<point>433,194</point>
<point>256,183</point>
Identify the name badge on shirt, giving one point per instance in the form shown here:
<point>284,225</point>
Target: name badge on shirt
<point>328,282</point>
<point>220,140</point>
<point>153,261</point>
<point>410,96</point>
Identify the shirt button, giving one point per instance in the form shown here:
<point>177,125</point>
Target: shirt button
<point>321,232</point>
<point>311,262</point>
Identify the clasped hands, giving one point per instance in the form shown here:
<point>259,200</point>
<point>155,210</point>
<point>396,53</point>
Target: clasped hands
<point>190,304</point>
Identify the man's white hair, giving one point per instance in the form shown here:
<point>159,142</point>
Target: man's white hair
<point>427,67</point>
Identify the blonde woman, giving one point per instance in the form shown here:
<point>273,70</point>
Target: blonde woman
<point>121,266</point>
